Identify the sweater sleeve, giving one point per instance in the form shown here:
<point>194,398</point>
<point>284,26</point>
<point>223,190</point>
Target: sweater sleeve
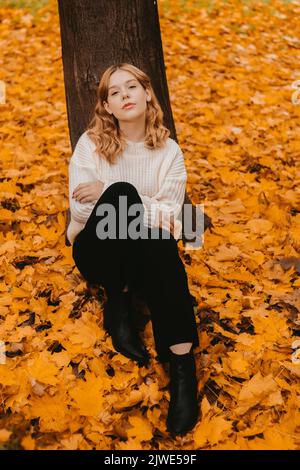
<point>169,199</point>
<point>82,169</point>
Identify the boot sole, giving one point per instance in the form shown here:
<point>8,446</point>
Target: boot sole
<point>141,362</point>
<point>191,426</point>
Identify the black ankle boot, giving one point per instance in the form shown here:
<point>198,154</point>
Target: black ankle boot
<point>183,408</point>
<point>118,323</point>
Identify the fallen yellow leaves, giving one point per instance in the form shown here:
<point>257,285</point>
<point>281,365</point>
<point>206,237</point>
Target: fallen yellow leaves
<point>62,386</point>
<point>88,396</point>
<point>4,435</point>
<point>212,428</point>
<point>41,369</point>
<point>141,428</point>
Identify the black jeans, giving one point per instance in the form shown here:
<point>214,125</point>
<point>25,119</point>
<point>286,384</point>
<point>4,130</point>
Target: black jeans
<point>151,267</point>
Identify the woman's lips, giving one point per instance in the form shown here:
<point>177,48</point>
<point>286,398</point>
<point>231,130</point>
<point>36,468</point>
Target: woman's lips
<point>129,106</point>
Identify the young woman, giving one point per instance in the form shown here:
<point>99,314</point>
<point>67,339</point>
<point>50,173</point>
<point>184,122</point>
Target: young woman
<point>126,153</point>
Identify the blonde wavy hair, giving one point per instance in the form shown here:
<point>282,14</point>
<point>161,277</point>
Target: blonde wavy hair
<point>104,130</point>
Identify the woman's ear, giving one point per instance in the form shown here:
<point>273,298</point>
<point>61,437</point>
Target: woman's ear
<point>148,95</point>
<point>105,105</point>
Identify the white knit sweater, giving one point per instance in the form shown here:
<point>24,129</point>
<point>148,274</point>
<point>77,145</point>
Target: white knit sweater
<point>159,176</point>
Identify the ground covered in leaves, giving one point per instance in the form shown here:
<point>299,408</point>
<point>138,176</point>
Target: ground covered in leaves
<point>232,69</point>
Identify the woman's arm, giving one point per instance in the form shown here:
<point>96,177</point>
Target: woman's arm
<point>166,204</point>
<point>83,172</point>
<point>88,192</point>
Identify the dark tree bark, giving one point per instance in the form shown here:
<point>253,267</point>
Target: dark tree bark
<point>98,33</point>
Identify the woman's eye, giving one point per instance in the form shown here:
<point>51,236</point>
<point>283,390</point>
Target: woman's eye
<point>132,86</point>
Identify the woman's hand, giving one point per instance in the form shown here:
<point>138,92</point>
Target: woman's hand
<point>88,192</point>
<point>172,226</point>
<point>163,223</point>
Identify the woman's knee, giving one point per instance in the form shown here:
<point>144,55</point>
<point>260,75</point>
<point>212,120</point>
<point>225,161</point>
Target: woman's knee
<point>121,187</point>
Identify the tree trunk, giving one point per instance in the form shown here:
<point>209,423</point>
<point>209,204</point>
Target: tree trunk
<point>98,33</point>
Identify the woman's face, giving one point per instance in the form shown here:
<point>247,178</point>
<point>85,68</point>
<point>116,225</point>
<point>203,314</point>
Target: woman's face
<point>124,88</point>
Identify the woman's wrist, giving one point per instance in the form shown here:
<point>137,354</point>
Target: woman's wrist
<point>101,185</point>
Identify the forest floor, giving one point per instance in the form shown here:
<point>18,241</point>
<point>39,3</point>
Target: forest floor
<point>233,77</point>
